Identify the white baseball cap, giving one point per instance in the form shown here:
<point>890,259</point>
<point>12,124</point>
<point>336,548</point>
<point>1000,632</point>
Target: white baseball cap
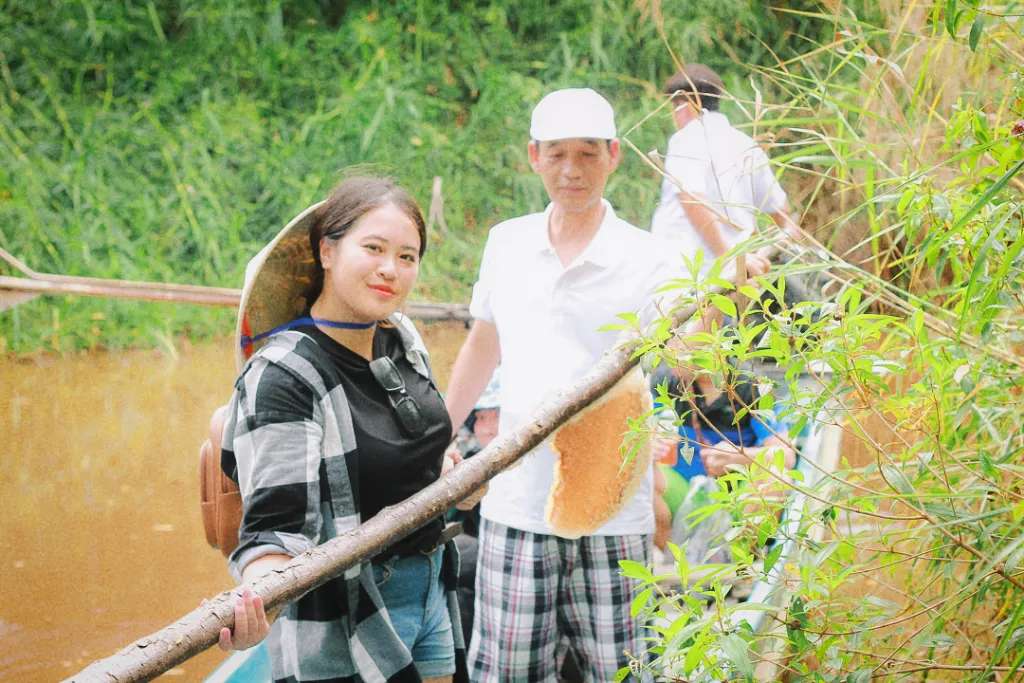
<point>572,113</point>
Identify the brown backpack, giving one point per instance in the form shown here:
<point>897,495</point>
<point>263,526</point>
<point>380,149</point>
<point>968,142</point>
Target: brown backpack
<point>220,499</point>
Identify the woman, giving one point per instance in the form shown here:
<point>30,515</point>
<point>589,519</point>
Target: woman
<point>335,417</point>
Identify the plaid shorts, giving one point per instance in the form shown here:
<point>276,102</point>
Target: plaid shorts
<point>539,595</point>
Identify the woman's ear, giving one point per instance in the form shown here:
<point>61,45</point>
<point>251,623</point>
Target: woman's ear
<point>326,251</point>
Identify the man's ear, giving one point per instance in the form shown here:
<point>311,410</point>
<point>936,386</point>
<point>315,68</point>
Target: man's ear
<point>533,152</point>
<point>615,151</point>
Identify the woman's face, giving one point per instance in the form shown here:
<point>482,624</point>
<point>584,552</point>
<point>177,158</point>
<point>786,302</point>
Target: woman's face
<point>369,272</point>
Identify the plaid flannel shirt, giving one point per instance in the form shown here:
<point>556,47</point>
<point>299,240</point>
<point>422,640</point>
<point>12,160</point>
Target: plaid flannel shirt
<point>289,432</point>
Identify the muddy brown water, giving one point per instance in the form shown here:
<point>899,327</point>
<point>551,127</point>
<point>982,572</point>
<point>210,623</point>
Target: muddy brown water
<point>101,541</point>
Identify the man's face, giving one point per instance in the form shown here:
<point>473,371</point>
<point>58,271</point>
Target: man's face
<point>685,110</point>
<point>575,170</point>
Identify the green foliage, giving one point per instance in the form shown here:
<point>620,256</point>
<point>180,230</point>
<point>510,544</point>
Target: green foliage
<point>907,561</point>
<point>169,139</point>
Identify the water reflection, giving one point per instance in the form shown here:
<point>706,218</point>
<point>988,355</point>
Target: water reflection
<point>100,539</point>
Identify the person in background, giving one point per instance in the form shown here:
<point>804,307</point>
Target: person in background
<point>718,438</point>
<point>720,431</point>
<point>717,179</point>
<point>478,430</point>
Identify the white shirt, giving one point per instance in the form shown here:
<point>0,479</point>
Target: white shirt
<point>711,158</point>
<point>548,319</point>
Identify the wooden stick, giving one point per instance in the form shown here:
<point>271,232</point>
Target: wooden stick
<point>198,630</point>
<point>9,299</point>
<point>147,291</point>
<point>15,290</point>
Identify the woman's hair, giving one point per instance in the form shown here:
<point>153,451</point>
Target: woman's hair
<point>348,202</point>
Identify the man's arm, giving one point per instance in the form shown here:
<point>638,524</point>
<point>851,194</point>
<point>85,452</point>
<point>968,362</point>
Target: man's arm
<point>704,221</point>
<point>473,368</point>
<point>787,224</point>
<point>707,224</point>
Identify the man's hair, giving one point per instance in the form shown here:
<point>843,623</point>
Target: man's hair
<point>699,80</point>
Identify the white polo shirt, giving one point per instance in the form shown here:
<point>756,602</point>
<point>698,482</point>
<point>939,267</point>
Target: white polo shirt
<point>710,157</point>
<point>548,319</point>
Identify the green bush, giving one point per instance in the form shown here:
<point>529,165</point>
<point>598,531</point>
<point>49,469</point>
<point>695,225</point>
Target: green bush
<point>168,140</point>
<point>907,560</point>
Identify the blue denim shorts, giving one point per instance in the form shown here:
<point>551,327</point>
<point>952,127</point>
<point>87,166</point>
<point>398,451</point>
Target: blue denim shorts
<point>415,598</point>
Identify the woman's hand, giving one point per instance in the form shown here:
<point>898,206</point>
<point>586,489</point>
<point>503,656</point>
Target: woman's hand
<point>251,623</point>
<point>452,457</point>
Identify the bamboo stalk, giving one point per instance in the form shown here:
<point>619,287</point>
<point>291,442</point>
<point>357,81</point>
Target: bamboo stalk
<point>198,630</point>
<point>10,299</point>
<point>208,296</point>
<point>15,290</point>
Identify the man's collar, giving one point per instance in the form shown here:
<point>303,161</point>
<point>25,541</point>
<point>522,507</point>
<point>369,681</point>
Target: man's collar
<point>705,114</point>
<point>601,249</point>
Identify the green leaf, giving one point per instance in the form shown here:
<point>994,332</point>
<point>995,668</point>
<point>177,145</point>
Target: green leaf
<point>951,17</point>
<point>724,304</point>
<point>860,676</point>
<point>905,199</point>
<point>976,29</point>
<point>989,193</point>
<point>899,480</point>
<point>694,654</point>
<point>640,601</point>
<point>979,266</point>
<point>828,515</point>
<point>1018,511</point>
<point>772,557</point>
<point>635,570</point>
<point>939,640</point>
<point>737,652</point>
<point>797,637</point>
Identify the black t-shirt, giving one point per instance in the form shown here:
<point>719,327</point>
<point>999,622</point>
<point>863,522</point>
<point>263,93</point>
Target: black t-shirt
<point>392,465</point>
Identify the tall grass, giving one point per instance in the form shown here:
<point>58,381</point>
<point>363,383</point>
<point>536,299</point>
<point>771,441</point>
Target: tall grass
<point>169,139</point>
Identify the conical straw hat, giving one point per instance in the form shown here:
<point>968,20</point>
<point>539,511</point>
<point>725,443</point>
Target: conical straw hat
<point>276,280</point>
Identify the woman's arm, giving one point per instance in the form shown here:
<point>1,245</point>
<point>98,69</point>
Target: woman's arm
<point>251,621</point>
<point>273,435</point>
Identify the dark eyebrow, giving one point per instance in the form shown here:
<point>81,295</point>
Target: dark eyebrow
<point>374,236</point>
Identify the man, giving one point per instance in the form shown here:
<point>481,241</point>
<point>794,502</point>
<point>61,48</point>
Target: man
<point>548,281</point>
<point>717,178</point>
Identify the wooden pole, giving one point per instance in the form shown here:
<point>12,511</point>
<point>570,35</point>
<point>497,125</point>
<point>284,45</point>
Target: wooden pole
<point>19,289</point>
<point>153,655</point>
<point>209,296</point>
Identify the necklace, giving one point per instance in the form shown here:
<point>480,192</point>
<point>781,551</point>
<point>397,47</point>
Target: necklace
<point>300,322</point>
